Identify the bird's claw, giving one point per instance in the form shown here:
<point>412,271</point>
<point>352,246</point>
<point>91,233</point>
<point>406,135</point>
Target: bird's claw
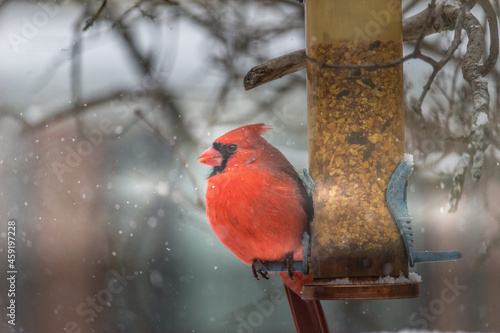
<point>257,269</point>
<point>288,264</point>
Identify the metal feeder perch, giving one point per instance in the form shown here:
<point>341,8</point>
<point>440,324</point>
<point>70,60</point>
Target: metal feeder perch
<point>361,229</point>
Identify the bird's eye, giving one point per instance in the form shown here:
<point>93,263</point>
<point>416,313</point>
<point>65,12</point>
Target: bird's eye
<point>231,148</point>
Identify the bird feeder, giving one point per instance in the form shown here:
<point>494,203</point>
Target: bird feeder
<point>356,138</point>
<point>356,143</point>
<point>360,244</point>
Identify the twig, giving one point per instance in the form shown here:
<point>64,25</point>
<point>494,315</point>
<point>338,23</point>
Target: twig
<point>91,20</point>
<point>137,5</point>
<point>437,66</point>
<point>119,20</point>
<point>76,69</point>
<point>428,20</point>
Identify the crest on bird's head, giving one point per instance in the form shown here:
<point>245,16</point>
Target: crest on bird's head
<point>245,132</point>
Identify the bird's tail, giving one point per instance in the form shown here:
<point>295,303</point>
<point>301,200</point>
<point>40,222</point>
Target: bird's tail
<point>308,316</point>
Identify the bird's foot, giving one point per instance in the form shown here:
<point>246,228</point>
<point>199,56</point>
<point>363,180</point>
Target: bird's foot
<point>257,269</point>
<point>288,264</point>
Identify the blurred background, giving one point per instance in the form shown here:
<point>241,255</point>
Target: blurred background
<point>101,122</point>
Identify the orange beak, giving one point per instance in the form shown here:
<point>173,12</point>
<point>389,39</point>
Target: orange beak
<point>210,157</point>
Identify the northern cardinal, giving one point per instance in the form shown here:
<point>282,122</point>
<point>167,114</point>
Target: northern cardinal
<point>256,203</point>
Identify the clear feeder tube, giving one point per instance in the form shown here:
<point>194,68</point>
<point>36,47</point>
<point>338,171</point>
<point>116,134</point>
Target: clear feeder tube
<point>356,136</point>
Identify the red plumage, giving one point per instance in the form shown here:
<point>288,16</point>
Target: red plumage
<point>256,203</point>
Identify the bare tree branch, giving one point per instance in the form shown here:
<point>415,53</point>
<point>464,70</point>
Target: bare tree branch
<point>478,141</point>
<point>491,16</point>
<point>74,110</point>
<point>444,14</point>
<point>275,69</point>
<point>437,17</point>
